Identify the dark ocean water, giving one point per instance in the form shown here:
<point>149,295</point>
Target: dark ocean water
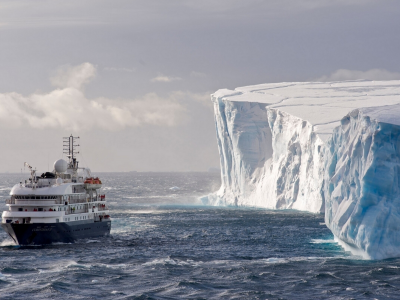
<point>166,245</point>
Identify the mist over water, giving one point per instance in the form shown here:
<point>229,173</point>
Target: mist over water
<point>165,245</point>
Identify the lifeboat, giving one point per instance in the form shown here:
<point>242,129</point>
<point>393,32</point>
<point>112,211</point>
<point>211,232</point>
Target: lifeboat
<point>92,183</point>
<point>96,180</point>
<point>89,180</point>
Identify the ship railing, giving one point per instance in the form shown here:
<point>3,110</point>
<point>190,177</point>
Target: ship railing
<point>38,202</point>
<point>30,185</point>
<point>86,200</point>
<point>76,211</point>
<point>79,200</point>
<point>10,201</point>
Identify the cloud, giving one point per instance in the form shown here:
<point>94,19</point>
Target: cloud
<point>271,5</point>
<point>373,74</point>
<point>74,77</point>
<point>67,107</point>
<point>112,69</point>
<point>163,78</point>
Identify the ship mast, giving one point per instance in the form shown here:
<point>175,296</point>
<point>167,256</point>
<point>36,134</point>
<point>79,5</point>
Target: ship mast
<point>69,144</point>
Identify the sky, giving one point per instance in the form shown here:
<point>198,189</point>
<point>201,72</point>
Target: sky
<point>133,78</point>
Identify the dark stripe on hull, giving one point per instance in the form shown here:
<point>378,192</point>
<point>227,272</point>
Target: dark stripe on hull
<point>47,233</point>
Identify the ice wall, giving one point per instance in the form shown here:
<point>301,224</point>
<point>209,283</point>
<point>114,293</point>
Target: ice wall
<point>317,147</point>
<point>362,176</point>
<point>269,158</point>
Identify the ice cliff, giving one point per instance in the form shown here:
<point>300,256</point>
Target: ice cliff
<point>317,147</point>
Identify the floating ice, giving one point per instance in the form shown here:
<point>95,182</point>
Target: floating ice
<point>305,146</point>
<point>362,182</point>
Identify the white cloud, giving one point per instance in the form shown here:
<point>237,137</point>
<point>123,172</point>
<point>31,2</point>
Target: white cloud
<point>373,74</point>
<point>74,77</point>
<point>163,78</point>
<point>112,69</point>
<point>67,107</point>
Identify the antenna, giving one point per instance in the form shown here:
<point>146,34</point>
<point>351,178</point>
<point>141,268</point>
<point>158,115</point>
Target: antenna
<point>33,174</point>
<point>69,144</point>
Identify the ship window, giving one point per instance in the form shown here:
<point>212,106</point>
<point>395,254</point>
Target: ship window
<point>40,209</point>
<point>19,208</point>
<point>26,197</point>
<point>37,197</point>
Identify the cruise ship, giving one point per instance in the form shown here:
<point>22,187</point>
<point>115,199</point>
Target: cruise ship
<point>57,207</point>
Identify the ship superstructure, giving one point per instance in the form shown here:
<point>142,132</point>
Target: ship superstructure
<point>59,206</point>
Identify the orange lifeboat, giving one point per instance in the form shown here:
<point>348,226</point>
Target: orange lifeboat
<point>92,183</point>
<point>89,180</point>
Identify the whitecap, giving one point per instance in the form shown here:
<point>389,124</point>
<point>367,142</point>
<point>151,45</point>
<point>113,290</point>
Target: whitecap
<point>275,260</point>
<point>94,281</point>
<point>169,261</point>
<point>321,241</point>
<point>92,241</point>
<point>119,266</point>
<point>279,260</point>
<point>150,197</point>
<point>393,267</point>
<point>7,243</point>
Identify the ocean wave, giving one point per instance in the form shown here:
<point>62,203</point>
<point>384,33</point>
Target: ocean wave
<point>7,243</point>
<point>152,197</point>
<point>167,261</point>
<point>321,241</point>
<point>281,260</point>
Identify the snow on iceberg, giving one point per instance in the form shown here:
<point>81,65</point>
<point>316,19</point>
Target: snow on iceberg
<point>315,147</point>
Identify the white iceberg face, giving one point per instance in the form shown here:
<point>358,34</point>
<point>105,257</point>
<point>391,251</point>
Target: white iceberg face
<point>362,184</point>
<point>297,146</point>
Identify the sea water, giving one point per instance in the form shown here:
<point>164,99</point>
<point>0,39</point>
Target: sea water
<point>165,245</point>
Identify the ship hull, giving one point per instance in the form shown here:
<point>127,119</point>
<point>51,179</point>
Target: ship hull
<point>48,233</point>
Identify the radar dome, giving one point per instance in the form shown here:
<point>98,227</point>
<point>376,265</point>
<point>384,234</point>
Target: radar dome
<point>60,166</point>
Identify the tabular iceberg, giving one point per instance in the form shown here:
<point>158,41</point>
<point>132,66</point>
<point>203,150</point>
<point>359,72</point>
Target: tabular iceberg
<point>317,147</point>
